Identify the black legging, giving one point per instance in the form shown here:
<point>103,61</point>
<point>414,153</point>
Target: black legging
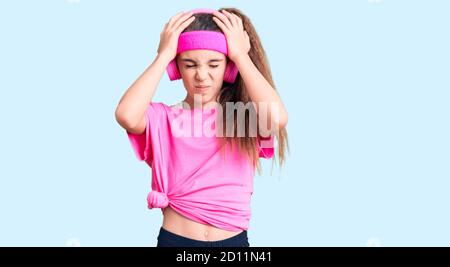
<point>169,239</point>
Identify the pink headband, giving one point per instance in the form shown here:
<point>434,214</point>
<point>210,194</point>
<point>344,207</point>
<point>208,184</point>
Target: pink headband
<point>209,40</point>
<point>202,40</point>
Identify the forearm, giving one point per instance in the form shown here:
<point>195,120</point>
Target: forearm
<point>260,91</point>
<point>134,102</point>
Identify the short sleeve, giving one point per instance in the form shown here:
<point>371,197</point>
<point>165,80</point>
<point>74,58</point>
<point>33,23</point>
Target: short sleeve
<point>266,146</point>
<point>142,143</point>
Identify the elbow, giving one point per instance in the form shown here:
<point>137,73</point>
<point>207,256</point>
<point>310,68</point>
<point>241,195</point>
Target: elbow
<point>283,124</point>
<point>277,124</point>
<point>283,120</point>
<point>123,120</point>
<point>279,118</point>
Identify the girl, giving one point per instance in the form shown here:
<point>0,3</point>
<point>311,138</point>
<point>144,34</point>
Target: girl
<point>203,184</point>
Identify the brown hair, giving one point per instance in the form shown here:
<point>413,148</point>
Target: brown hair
<point>237,92</point>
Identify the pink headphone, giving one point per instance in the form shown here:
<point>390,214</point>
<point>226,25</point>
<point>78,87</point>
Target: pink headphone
<point>210,40</point>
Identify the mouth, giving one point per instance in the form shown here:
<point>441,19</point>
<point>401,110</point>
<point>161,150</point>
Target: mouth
<point>202,88</point>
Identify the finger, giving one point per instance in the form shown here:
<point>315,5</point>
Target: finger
<point>223,19</point>
<point>180,20</point>
<point>239,19</point>
<point>185,24</point>
<point>174,18</point>
<point>222,26</point>
<point>231,17</point>
<point>238,22</point>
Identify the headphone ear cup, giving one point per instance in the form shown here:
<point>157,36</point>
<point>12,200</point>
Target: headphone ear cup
<point>231,72</point>
<point>172,70</point>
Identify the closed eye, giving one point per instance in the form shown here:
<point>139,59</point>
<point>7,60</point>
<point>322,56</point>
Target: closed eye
<point>192,66</point>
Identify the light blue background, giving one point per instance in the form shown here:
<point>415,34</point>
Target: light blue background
<point>366,84</point>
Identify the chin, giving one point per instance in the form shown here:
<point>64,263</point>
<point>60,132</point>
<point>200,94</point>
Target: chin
<point>206,97</point>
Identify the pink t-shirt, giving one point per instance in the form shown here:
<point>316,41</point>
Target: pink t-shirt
<point>190,174</point>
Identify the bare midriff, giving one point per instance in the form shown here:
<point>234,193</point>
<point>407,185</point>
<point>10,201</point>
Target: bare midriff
<point>180,225</point>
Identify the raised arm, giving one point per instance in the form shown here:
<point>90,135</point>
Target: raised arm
<point>133,104</point>
<point>259,89</point>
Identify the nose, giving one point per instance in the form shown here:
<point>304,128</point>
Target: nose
<point>201,74</point>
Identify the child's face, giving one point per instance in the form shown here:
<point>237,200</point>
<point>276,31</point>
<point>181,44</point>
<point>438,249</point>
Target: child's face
<point>202,68</point>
